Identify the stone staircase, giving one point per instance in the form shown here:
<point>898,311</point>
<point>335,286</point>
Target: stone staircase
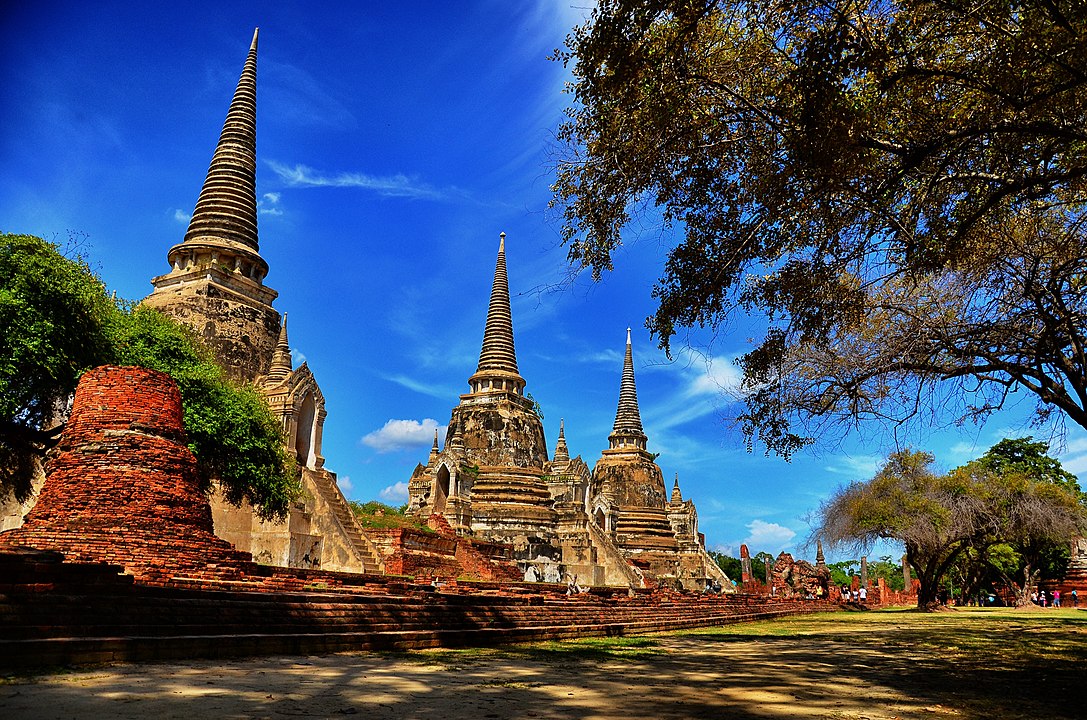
<point>325,484</point>
<point>54,614</point>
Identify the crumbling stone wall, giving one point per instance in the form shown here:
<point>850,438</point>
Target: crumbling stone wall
<point>799,578</point>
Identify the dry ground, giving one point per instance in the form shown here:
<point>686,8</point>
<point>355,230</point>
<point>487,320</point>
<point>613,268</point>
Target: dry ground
<point>876,665</point>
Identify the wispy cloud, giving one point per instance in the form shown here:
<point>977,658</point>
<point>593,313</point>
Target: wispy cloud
<point>398,185</point>
<point>397,493</point>
<point>855,467</point>
<point>441,392</point>
<point>403,435</point>
<point>182,217</point>
<point>344,481</point>
<point>602,357</point>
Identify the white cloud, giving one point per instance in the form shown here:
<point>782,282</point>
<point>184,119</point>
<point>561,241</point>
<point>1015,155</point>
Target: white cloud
<point>268,204</point>
<point>181,216</point>
<point>344,481</point>
<point>401,435</point>
<point>717,376</point>
<point>297,357</point>
<point>398,185</point>
<point>397,493</point>
<point>771,537</point>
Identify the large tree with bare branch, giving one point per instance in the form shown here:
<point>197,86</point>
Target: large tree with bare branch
<point>898,186</point>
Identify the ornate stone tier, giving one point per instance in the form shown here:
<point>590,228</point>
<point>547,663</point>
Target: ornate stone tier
<point>123,486</point>
<point>499,431</point>
<point>628,477</point>
<point>642,528</point>
<point>242,334</point>
<point>511,501</point>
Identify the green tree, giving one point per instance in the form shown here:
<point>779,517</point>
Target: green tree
<point>57,321</point>
<point>729,565</point>
<point>1039,508</point>
<point>897,187</point>
<point>941,518</point>
<point>55,317</point>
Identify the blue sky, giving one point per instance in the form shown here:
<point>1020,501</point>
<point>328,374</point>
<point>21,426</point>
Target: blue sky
<point>395,141</point>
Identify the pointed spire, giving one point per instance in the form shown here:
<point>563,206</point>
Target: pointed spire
<point>627,429</point>
<point>281,360</point>
<point>820,559</point>
<point>677,496</point>
<point>225,218</point>
<point>433,449</point>
<point>562,453</point>
<point>497,358</point>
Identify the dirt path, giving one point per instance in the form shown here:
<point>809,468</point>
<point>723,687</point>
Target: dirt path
<point>719,675</point>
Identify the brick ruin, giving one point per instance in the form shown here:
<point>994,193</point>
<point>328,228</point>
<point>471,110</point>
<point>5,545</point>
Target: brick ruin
<point>122,486</point>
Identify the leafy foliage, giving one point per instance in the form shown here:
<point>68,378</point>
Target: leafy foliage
<point>897,187</point>
<point>43,295</point>
<point>379,516</point>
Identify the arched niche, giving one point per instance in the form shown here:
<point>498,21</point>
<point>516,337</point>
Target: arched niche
<point>441,489</point>
<point>306,426</point>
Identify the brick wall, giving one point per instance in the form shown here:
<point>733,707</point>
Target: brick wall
<point>122,486</point>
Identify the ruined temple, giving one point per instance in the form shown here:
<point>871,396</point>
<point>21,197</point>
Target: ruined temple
<point>216,286</point>
<point>492,479</point>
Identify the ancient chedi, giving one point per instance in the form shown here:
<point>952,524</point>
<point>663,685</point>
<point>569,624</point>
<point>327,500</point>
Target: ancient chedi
<point>657,532</point>
<point>216,286</point>
<point>493,479</point>
<point>123,487</point>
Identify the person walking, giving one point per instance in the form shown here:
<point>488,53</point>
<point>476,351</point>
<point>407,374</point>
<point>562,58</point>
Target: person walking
<point>1075,598</point>
<point>1056,598</point>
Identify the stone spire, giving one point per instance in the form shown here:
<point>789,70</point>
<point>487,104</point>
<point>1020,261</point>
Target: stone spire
<point>216,280</point>
<point>433,449</point>
<point>677,496</point>
<point>281,359</point>
<point>497,369</point>
<point>225,218</point>
<point>820,559</point>
<point>562,453</point>
<point>456,442</point>
<point>627,430</point>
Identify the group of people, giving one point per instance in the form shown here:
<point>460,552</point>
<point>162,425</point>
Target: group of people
<point>1053,599</point>
<point>854,594</point>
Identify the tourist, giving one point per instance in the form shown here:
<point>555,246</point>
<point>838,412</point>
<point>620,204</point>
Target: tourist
<point>1034,597</point>
<point>864,594</point>
<point>1075,598</point>
<point>1041,597</point>
<point>1056,598</point>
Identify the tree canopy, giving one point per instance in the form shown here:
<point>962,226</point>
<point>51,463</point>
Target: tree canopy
<point>980,511</point>
<point>57,321</point>
<point>897,187</point>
